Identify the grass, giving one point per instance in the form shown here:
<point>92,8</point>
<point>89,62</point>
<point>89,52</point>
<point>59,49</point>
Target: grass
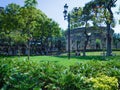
<point>63,59</point>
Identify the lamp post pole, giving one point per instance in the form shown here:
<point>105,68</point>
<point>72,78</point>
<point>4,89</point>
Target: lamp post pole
<point>68,36</point>
<point>67,17</point>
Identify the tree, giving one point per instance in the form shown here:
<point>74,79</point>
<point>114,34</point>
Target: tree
<point>38,26</point>
<point>75,17</point>
<point>50,29</point>
<point>53,32</point>
<point>84,18</point>
<point>26,25</point>
<point>30,3</point>
<point>30,23</point>
<point>107,6</point>
<point>9,19</point>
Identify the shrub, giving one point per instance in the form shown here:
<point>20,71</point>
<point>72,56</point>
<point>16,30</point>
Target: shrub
<point>71,81</point>
<point>104,82</point>
<point>25,75</point>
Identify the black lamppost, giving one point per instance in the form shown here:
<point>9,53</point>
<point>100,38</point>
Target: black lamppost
<point>67,17</point>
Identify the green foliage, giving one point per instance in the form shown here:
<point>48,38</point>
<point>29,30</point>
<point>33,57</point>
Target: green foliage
<point>96,7</point>
<point>26,74</point>
<point>27,22</point>
<point>98,41</point>
<point>75,17</point>
<point>104,83</point>
<point>30,3</point>
<point>9,18</point>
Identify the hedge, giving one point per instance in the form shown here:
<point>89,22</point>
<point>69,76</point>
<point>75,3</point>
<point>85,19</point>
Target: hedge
<point>27,75</point>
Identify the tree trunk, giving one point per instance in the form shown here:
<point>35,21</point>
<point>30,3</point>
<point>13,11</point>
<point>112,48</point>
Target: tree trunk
<point>109,50</point>
<point>84,49</point>
<point>9,46</point>
<point>85,46</point>
<point>86,41</point>
<point>28,49</point>
<point>51,46</point>
<point>19,51</point>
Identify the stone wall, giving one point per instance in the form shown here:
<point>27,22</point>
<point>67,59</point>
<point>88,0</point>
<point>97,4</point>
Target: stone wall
<point>97,39</point>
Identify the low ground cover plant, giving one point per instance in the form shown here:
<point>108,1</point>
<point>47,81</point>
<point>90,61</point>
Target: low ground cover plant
<point>27,75</point>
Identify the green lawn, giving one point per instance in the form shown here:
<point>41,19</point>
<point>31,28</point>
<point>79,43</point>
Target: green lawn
<point>63,59</point>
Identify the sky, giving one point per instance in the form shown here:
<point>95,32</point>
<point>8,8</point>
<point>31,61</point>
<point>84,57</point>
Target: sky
<point>54,9</point>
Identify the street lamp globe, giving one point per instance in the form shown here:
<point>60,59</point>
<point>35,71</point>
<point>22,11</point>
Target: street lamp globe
<point>65,7</point>
<point>65,11</point>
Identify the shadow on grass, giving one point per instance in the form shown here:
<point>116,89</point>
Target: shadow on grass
<point>8,56</point>
<point>65,57</point>
<point>101,58</point>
